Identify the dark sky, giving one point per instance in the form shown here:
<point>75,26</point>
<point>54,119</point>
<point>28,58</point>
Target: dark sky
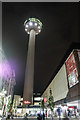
<point>60,30</point>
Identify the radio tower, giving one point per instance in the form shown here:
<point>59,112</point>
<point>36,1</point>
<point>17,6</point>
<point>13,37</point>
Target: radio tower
<point>33,27</point>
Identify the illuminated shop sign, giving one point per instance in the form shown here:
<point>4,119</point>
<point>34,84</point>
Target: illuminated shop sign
<point>72,70</point>
<point>45,100</point>
<point>36,103</point>
<point>37,98</point>
<point>27,102</point>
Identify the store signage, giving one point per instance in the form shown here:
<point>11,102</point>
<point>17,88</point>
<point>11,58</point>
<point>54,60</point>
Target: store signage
<point>71,107</point>
<point>45,100</point>
<point>79,56</point>
<point>37,98</point>
<point>72,70</point>
<point>27,102</point>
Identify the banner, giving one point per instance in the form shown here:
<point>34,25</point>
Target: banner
<point>72,70</point>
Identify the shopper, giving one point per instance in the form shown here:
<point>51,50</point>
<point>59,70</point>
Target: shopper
<point>46,114</point>
<point>26,118</point>
<point>8,116</point>
<point>43,116</point>
<point>69,113</point>
<point>39,117</point>
<point>59,110</point>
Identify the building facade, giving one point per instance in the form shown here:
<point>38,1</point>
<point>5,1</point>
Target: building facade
<point>7,75</point>
<point>66,83</point>
<point>7,82</point>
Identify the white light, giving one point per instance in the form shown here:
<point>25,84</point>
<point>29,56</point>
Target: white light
<point>25,29</point>
<point>5,92</point>
<point>39,27</point>
<point>36,33</point>
<point>21,99</point>
<point>37,98</point>
<point>28,32</point>
<point>30,23</point>
<point>26,25</point>
<point>35,24</point>
<point>39,30</point>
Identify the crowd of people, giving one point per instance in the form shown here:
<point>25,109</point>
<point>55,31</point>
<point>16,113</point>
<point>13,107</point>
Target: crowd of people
<point>59,113</point>
<point>39,116</point>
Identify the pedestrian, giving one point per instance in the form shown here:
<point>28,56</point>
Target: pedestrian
<point>43,116</point>
<point>39,117</point>
<point>11,115</point>
<point>8,116</point>
<point>26,118</point>
<point>59,110</point>
<point>68,113</point>
<point>46,114</point>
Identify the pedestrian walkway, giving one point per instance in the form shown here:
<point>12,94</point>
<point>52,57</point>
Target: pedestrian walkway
<point>55,118</point>
<point>45,118</point>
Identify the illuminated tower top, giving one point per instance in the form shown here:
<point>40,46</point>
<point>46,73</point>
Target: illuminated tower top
<point>33,24</point>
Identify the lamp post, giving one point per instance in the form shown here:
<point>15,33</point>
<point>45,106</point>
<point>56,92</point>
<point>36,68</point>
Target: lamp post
<point>33,27</point>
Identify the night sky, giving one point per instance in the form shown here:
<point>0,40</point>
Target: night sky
<point>60,30</point>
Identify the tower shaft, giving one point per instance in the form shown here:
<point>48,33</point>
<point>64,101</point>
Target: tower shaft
<point>29,73</point>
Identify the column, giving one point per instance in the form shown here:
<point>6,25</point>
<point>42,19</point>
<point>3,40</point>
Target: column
<point>29,73</point>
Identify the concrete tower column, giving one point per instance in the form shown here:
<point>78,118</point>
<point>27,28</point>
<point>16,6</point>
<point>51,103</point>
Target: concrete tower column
<point>32,27</point>
<point>29,74</point>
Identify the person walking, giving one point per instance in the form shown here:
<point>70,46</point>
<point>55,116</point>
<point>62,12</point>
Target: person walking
<point>26,118</point>
<point>8,116</point>
<point>43,116</point>
<point>46,114</point>
<point>59,110</point>
<point>39,117</point>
